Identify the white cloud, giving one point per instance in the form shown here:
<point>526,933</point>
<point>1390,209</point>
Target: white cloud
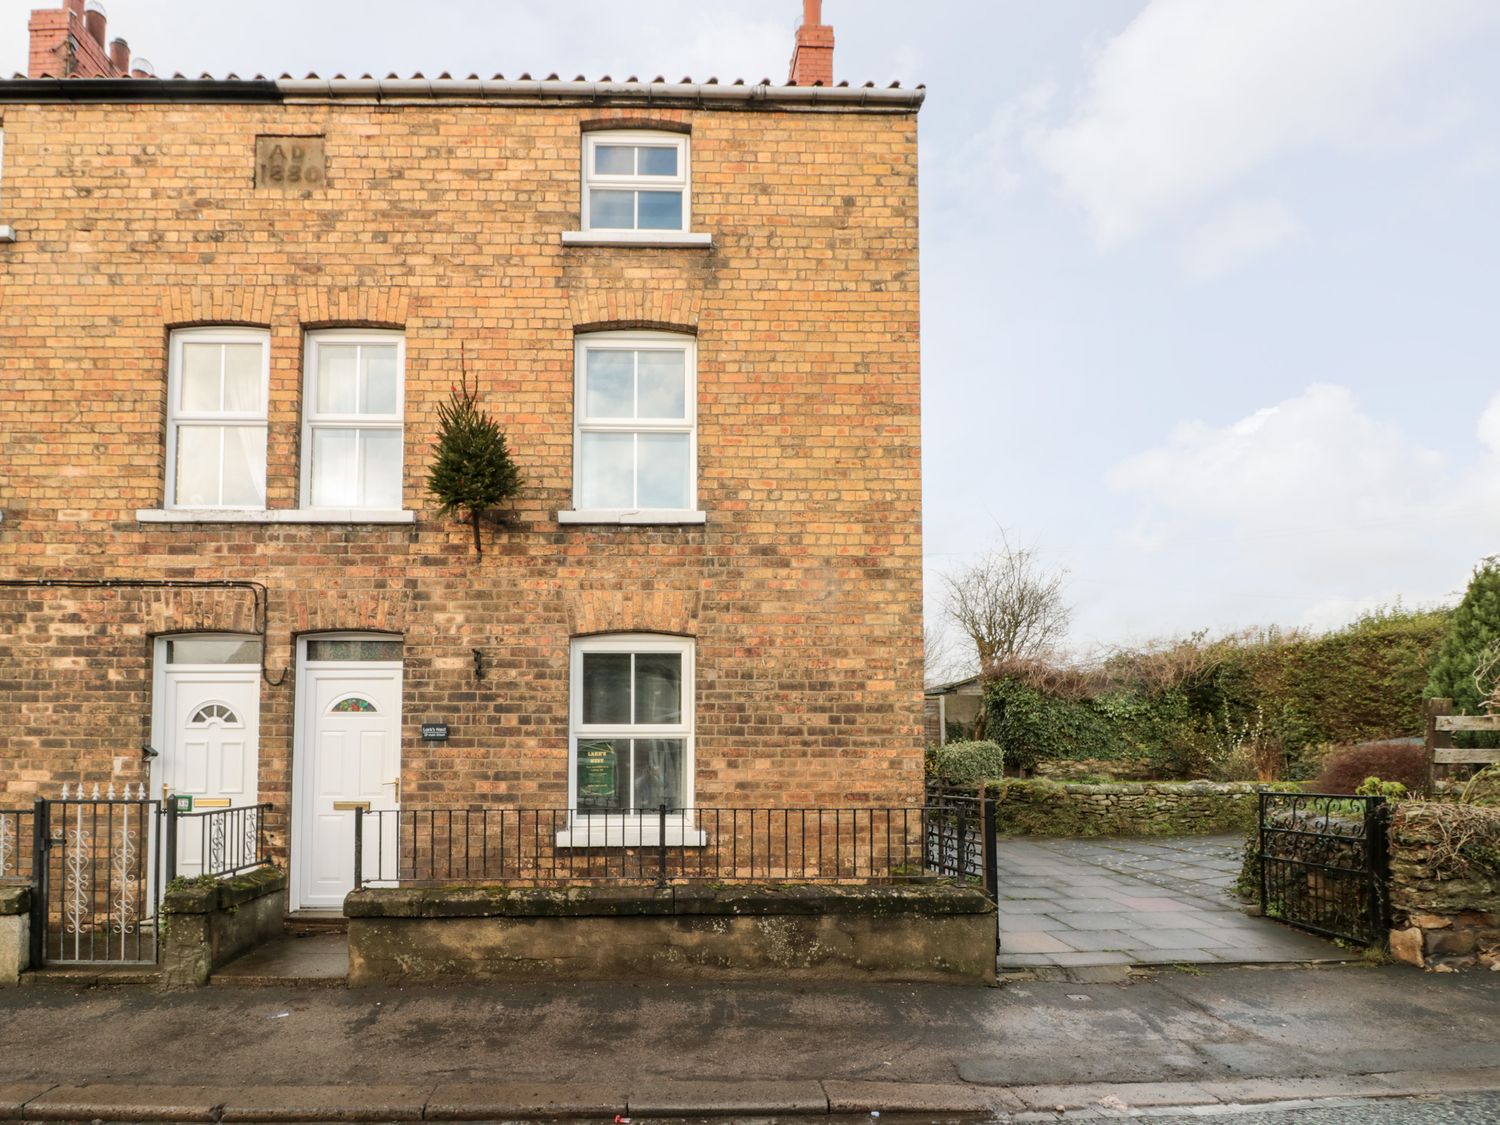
<point>985,167</point>
<point>1235,236</point>
<point>1191,96</point>
<point>1313,498</point>
<point>1489,426</point>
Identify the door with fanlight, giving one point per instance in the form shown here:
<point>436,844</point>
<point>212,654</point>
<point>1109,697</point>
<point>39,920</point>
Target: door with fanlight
<point>206,732</point>
<point>349,754</point>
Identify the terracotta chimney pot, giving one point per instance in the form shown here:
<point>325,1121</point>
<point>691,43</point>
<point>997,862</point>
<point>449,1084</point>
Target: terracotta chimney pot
<point>94,20</point>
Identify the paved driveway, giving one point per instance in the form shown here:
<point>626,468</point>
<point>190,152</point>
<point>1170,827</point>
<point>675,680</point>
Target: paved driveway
<point>1074,903</point>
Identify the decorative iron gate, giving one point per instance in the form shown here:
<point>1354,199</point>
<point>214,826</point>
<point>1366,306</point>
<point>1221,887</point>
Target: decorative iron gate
<point>958,833</point>
<point>96,878</point>
<point>1324,864</point>
<point>99,865</point>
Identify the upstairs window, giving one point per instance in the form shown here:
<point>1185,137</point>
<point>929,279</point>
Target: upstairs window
<point>635,181</point>
<point>635,406</point>
<point>217,389</point>
<point>352,420</point>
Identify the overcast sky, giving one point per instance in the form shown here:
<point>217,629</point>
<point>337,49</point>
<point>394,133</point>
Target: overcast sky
<point>1209,286</point>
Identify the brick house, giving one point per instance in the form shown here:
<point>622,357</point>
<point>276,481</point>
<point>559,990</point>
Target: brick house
<point>229,312</point>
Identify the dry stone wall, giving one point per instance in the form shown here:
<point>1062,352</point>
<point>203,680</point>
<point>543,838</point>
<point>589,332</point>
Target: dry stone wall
<point>1445,907</point>
<point>1154,808</point>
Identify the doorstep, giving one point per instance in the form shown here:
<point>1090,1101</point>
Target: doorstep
<point>315,922</point>
<point>318,960</point>
<point>92,976</point>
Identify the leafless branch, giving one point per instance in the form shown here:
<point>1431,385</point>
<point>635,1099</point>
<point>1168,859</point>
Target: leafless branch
<point>1487,675</point>
<point>1008,605</point>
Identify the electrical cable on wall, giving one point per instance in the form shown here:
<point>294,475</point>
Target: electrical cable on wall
<point>260,599</point>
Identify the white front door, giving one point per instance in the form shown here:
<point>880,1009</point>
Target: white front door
<point>208,744</point>
<point>350,748</point>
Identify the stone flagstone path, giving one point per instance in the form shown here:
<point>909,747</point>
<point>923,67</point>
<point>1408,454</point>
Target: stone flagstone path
<point>1076,903</point>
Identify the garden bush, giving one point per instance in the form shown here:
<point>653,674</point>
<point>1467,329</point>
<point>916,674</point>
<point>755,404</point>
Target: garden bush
<point>1344,771</point>
<point>1473,631</point>
<point>966,763</point>
<point>1261,704</point>
<point>1031,724</point>
<point>1475,624</point>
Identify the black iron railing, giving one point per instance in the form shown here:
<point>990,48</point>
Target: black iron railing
<point>216,841</point>
<point>550,846</point>
<point>961,836</point>
<point>1323,864</point>
<point>97,866</point>
<point>17,839</point>
<point>95,880</point>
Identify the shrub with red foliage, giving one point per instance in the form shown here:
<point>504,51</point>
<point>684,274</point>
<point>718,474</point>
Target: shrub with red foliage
<point>1344,770</point>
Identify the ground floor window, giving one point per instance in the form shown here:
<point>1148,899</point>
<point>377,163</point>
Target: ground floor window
<point>632,724</point>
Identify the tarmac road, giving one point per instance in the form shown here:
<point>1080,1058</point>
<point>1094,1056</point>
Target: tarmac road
<point>1472,1109</point>
<point>1222,1036</point>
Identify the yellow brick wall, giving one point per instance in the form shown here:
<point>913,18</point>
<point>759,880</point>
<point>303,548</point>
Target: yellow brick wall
<point>803,590</point>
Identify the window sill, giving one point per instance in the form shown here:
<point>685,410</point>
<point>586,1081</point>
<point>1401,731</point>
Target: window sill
<point>274,515</point>
<point>667,238</point>
<point>644,834</point>
<point>632,518</point>
<point>7,233</point>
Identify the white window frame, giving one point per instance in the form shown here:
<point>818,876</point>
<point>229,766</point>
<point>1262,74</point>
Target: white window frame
<point>586,829</point>
<point>177,418</point>
<point>589,180</point>
<point>7,232</point>
<point>635,181</point>
<point>635,341</point>
<point>312,421</point>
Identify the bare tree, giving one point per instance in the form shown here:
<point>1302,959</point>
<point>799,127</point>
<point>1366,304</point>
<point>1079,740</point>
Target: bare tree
<point>939,661</point>
<point>1009,605</point>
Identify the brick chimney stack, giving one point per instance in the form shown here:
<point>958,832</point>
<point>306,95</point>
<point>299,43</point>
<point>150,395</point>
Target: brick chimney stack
<point>68,42</point>
<point>812,57</point>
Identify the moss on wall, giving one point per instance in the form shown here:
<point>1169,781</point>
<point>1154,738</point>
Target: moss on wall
<point>1194,808</point>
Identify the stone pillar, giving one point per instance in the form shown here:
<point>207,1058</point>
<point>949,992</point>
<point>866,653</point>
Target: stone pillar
<point>15,933</point>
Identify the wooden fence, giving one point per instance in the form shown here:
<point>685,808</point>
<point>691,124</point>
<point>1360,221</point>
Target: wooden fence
<point>1442,723</point>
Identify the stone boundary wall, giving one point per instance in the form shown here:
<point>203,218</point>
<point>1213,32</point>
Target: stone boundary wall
<point>207,924</point>
<point>15,932</point>
<point>1444,919</point>
<point>1148,808</point>
<point>455,935</point>
<point>1080,770</point>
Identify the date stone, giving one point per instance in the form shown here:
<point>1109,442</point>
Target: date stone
<point>289,163</point>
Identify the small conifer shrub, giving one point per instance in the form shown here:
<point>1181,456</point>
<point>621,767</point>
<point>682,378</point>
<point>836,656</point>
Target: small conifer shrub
<point>472,470</point>
<point>1475,626</point>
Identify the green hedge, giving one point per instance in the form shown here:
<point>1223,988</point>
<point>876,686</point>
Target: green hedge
<point>966,763</point>
<point>1295,691</point>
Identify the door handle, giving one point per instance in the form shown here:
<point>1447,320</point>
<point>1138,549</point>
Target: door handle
<point>396,781</point>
